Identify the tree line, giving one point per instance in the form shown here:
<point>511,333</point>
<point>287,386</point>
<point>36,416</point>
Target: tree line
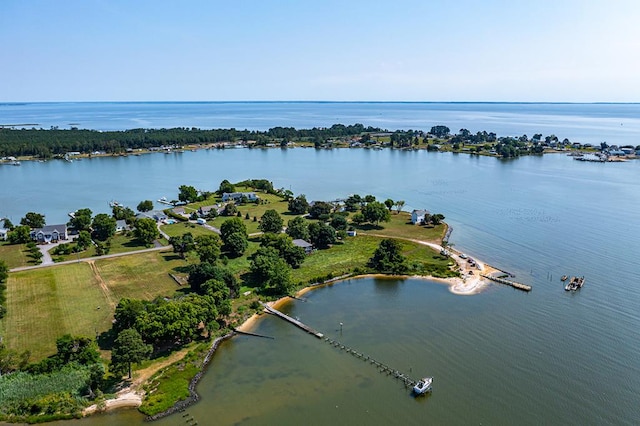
<point>47,143</point>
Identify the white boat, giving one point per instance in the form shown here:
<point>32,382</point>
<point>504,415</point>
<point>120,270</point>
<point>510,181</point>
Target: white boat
<point>423,386</point>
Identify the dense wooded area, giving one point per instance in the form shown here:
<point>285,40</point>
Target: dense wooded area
<point>43,143</point>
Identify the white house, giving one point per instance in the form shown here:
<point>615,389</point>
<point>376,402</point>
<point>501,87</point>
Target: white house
<point>238,196</point>
<point>3,234</point>
<point>49,233</point>
<point>417,216</point>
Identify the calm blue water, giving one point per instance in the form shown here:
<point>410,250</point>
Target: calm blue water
<point>501,357</point>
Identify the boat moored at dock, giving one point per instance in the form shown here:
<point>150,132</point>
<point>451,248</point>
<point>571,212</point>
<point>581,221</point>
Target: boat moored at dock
<point>423,386</point>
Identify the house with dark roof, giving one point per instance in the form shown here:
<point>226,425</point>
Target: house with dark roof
<point>49,233</point>
<point>308,247</point>
<point>157,215</point>
<point>417,216</point>
<point>121,226</point>
<point>205,210</point>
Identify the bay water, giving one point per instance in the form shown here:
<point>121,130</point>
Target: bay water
<point>500,357</point>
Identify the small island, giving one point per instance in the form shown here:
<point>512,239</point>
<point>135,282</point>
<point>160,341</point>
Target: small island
<point>141,299</point>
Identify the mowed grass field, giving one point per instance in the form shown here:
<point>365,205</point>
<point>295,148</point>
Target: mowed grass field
<point>79,298</point>
<point>400,226</point>
<point>15,255</point>
<point>355,253</point>
<point>44,304</point>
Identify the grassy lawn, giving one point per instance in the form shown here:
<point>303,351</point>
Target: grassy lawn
<point>183,227</point>
<point>120,243</point>
<point>15,255</point>
<point>44,304</point>
<point>401,226</point>
<point>355,253</point>
<point>142,276</point>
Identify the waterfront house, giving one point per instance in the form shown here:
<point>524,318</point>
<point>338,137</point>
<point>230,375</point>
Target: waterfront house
<point>238,196</point>
<point>121,226</point>
<point>157,215</point>
<point>417,216</point>
<point>49,233</point>
<point>3,234</point>
<point>308,247</point>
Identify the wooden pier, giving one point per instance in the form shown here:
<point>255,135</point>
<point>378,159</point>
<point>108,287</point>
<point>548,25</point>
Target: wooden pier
<point>382,368</point>
<point>513,284</point>
<point>293,321</point>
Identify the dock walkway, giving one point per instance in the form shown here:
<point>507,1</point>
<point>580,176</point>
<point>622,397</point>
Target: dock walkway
<point>513,284</point>
<point>293,321</point>
<point>382,368</point>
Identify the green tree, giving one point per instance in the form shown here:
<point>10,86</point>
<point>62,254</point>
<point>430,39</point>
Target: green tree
<point>271,271</point>
<point>339,222</point>
<point>437,218</point>
<point>388,258</point>
<point>230,209</point>
<point>208,247</point>
<point>145,206</point>
<point>353,203</point>
<point>375,212</point>
<point>298,228</point>
<point>320,209</point>
<point>4,271</point>
<point>231,226</point>
<point>82,350</point>
<point>33,220</point>
<point>182,244</point>
<point>128,348</point>
<point>145,230</point>
<point>83,241</point>
<point>81,220</point>
<point>123,213</point>
<point>283,243</point>
<point>226,186</point>
<point>8,224</point>
<point>299,205</point>
<point>104,227</point>
<point>202,272</point>
<point>321,235</point>
<point>187,194</point>
<point>369,199</point>
<point>127,313</point>
<point>20,235</point>
<point>389,203</point>
<point>399,205</point>
<point>271,222</point>
<point>358,218</point>
<point>440,131</point>
<point>236,244</point>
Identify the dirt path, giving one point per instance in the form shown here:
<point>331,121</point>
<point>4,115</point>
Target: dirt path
<point>102,284</point>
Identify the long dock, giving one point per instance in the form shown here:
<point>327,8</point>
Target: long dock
<point>293,321</point>
<point>382,368</point>
<point>513,284</point>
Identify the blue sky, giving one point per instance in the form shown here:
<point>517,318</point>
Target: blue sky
<point>413,50</point>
